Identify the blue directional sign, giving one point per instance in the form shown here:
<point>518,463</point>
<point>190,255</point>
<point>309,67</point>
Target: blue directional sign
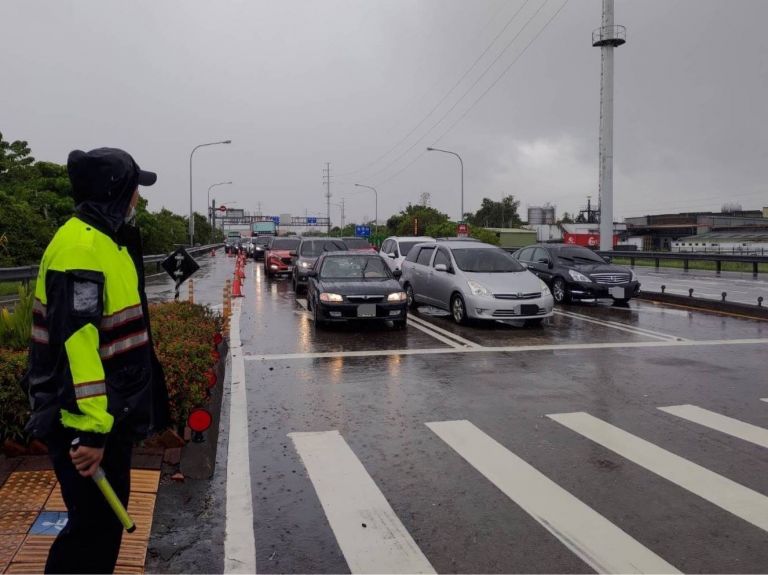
<point>276,219</point>
<point>311,220</point>
<point>363,231</point>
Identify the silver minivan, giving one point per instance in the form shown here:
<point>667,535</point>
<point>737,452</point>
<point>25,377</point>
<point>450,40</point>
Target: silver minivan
<point>473,280</point>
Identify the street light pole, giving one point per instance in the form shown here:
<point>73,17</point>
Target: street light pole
<point>461,216</point>
<point>376,195</point>
<point>210,215</point>
<point>191,214</point>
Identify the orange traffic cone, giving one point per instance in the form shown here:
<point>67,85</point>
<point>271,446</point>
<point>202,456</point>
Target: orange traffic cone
<point>236,288</point>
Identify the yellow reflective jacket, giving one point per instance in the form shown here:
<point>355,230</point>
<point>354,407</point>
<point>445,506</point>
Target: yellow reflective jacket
<point>91,359</point>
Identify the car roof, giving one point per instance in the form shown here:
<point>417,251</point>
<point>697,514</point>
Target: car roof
<point>421,239</point>
<point>351,254</point>
<point>316,238</point>
<point>459,243</point>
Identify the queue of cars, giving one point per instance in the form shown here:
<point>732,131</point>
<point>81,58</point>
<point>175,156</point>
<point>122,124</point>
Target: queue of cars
<point>347,279</point>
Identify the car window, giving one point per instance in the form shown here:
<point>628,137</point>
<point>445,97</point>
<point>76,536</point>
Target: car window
<point>356,243</point>
<point>524,255</point>
<point>442,257</point>
<point>385,246</point>
<point>486,260</point>
<point>540,254</point>
<point>424,256</point>
<point>313,248</point>
<point>405,247</point>
<point>579,254</point>
<point>284,244</point>
<point>354,267</point>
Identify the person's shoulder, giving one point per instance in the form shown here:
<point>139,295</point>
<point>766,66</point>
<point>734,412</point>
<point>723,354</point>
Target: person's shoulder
<point>74,245</point>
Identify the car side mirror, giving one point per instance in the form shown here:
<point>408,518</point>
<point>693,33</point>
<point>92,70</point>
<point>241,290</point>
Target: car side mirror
<point>311,273</point>
<point>441,268</point>
<point>292,253</point>
<point>397,274</point>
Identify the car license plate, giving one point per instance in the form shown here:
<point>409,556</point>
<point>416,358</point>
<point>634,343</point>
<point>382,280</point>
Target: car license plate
<point>366,310</point>
<point>529,309</point>
<point>617,292</point>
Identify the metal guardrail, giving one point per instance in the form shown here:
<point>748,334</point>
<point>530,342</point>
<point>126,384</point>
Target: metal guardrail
<point>27,273</point>
<point>687,257</point>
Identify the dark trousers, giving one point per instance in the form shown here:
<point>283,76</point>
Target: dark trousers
<point>90,542</point>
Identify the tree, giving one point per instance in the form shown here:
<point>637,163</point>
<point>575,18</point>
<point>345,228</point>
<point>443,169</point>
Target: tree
<point>494,214</point>
<point>415,220</point>
<point>566,218</point>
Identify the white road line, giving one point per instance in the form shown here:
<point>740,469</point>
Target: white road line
<point>302,302</point>
<point>369,533</point>
<point>620,326</point>
<point>719,422</point>
<point>721,491</point>
<point>444,332</point>
<point>765,399</point>
<point>594,539</point>
<point>433,334</point>
<point>508,349</point>
<point>239,540</point>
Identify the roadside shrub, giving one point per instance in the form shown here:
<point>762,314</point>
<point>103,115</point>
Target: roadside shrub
<point>183,334</point>
<point>14,406</point>
<point>16,326</point>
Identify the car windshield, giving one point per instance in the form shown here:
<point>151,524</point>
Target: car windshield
<point>314,248</point>
<point>261,241</point>
<point>405,247</point>
<point>357,244</point>
<point>576,254</point>
<point>485,260</point>
<point>285,244</point>
<point>354,267</point>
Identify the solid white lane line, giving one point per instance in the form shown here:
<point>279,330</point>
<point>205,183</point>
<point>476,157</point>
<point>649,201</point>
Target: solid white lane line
<point>722,423</point>
<point>508,349</point>
<point>239,540</point>
<point>620,326</point>
<point>765,399</point>
<point>369,533</point>
<point>433,334</point>
<point>444,332</point>
<point>594,539</point>
<point>721,491</point>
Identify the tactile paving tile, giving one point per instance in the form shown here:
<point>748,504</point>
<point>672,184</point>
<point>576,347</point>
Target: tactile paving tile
<point>15,521</point>
<point>34,549</point>
<point>141,508</point>
<point>132,553</point>
<point>55,500</point>
<point>144,480</point>
<point>128,570</point>
<point>26,568</point>
<point>26,490</point>
<point>8,546</point>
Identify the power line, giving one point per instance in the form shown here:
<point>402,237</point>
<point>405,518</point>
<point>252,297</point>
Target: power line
<point>464,95</point>
<point>447,94</point>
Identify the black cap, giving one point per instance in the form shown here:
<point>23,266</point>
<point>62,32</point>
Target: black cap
<point>105,174</point>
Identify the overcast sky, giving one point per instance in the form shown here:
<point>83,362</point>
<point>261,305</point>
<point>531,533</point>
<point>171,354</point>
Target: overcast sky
<point>295,84</point>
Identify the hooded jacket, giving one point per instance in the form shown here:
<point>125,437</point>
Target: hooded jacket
<point>92,365</point>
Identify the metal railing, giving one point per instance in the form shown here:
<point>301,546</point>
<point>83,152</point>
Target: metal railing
<point>687,257</point>
<point>27,273</point>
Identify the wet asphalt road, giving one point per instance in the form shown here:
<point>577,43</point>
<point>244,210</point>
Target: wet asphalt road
<point>379,387</point>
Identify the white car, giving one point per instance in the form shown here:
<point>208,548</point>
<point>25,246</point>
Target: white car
<point>395,249</point>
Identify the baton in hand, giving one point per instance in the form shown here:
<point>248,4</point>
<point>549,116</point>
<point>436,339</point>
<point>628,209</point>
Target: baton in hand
<point>109,494</point>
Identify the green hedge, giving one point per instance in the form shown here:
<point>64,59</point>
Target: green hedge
<point>184,340</point>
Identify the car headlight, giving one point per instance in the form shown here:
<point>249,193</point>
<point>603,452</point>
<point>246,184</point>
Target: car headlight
<point>632,276</point>
<point>397,296</point>
<point>579,277</point>
<point>478,288</point>
<point>305,264</point>
<point>331,297</point>
<point>544,288</point>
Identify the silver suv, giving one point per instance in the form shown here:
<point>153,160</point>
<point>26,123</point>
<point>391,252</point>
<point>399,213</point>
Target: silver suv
<point>396,248</point>
<point>473,280</point>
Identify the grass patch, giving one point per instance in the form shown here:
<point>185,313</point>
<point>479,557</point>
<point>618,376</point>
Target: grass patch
<point>693,265</point>
<point>12,288</point>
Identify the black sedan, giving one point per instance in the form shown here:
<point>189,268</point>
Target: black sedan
<point>349,286</point>
<point>578,273</point>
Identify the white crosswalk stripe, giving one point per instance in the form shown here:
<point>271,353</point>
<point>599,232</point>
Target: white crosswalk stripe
<point>721,491</point>
<point>370,535</point>
<point>594,539</point>
<point>719,422</point>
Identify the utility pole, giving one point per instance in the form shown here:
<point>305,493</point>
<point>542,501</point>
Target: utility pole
<point>607,37</point>
<point>327,182</point>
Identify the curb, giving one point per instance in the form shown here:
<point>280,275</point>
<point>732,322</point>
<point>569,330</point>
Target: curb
<point>733,308</point>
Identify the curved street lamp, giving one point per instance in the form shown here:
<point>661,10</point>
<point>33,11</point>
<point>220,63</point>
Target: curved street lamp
<point>376,217</point>
<point>191,215</point>
<point>210,215</point>
<point>461,215</point>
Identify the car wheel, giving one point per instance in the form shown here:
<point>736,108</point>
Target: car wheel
<point>410,296</point>
<point>316,315</point>
<point>535,322</point>
<point>458,309</point>
<point>560,291</point>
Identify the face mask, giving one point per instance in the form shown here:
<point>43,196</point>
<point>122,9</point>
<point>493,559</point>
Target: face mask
<point>131,216</point>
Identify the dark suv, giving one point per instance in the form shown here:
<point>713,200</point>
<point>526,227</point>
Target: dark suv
<point>307,253</point>
<point>578,273</point>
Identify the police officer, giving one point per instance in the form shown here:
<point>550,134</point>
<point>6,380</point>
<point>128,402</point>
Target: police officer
<point>93,376</point>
